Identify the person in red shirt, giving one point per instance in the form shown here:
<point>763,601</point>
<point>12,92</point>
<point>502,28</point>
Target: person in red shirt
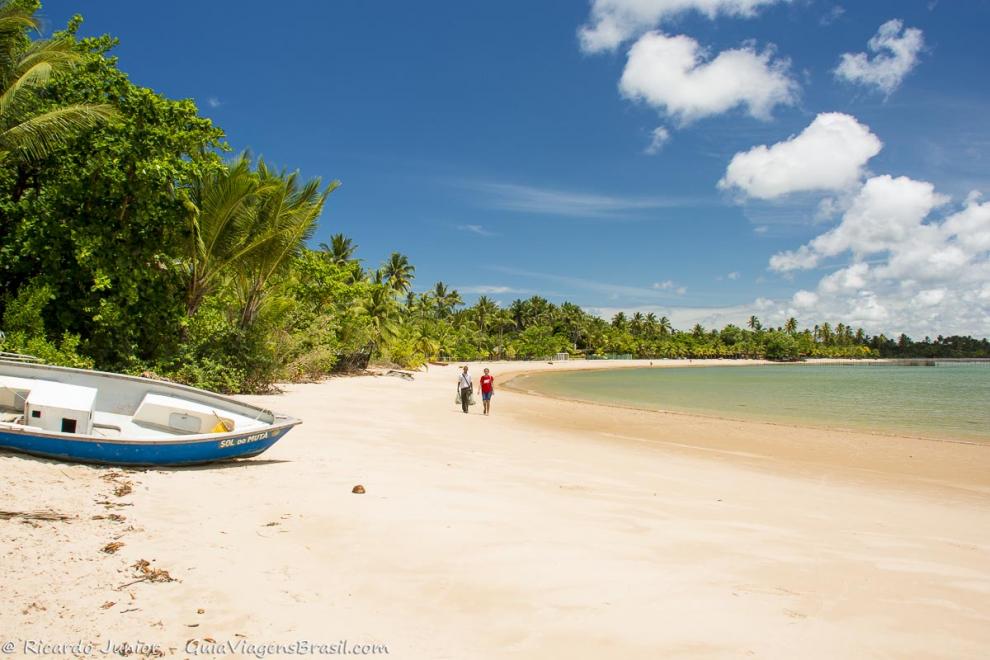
<point>487,390</point>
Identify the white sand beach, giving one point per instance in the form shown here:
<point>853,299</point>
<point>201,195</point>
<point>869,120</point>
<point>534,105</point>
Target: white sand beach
<point>552,529</point>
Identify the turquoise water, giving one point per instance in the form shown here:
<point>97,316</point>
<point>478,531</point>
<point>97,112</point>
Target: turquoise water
<point>951,401</point>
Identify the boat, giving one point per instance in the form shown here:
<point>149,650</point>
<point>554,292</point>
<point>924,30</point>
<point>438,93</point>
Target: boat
<point>89,416</point>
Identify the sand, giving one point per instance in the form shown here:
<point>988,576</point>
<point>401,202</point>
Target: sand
<point>551,529</point>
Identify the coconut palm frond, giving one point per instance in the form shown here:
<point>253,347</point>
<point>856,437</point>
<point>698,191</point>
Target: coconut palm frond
<point>38,136</point>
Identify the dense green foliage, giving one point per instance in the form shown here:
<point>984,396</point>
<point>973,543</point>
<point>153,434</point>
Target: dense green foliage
<point>127,242</point>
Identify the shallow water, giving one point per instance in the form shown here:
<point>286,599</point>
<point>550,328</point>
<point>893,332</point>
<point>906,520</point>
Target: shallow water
<point>945,401</point>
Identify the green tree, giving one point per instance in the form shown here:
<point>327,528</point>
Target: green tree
<point>99,220</point>
<point>283,218</point>
<point>222,204</point>
<point>445,300</point>
<point>484,309</point>
<point>31,126</point>
<point>340,250</point>
<point>780,346</point>
<point>398,273</point>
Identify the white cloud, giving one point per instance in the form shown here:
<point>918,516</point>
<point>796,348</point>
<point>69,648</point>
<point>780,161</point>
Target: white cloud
<point>829,154</point>
<point>551,201</point>
<point>669,285</point>
<point>213,102</point>
<point>895,52</point>
<point>615,21</point>
<point>733,275</point>
<point>476,229</point>
<point>832,15</point>
<point>488,289</point>
<point>675,74</point>
<point>805,299</point>
<point>885,214</point>
<point>658,138</point>
<point>925,275</point>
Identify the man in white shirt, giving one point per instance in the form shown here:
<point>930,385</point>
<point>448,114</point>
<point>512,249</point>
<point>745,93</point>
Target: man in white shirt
<point>464,388</point>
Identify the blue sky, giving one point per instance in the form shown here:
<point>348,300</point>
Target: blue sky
<point>505,147</point>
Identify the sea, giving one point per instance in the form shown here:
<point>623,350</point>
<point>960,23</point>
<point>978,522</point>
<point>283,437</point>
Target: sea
<point>950,400</point>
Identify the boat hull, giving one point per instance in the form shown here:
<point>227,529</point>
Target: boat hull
<point>145,453</point>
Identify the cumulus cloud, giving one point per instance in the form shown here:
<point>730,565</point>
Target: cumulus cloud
<point>885,214</point>
<point>895,52</point>
<point>675,74</point>
<point>908,271</point>
<point>658,138</point>
<point>828,155</point>
<point>669,285</point>
<point>614,21</point>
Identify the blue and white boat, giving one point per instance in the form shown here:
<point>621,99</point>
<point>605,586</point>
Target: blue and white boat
<point>112,419</point>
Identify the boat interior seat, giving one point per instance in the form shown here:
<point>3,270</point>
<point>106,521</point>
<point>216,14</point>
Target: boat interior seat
<point>181,416</point>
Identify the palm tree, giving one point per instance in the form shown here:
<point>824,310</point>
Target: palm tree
<point>484,309</point>
<point>665,327</point>
<point>445,300</point>
<point>220,205</point>
<point>518,311</point>
<point>398,273</point>
<point>826,331</point>
<point>754,323</point>
<point>636,325</point>
<point>341,249</point>
<point>25,67</point>
<point>383,313</point>
<point>571,319</point>
<point>426,344</point>
<point>619,321</point>
<point>283,219</point>
<point>791,326</point>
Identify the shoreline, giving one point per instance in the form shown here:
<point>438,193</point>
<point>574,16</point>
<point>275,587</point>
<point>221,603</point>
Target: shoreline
<point>550,529</point>
<point>515,375</point>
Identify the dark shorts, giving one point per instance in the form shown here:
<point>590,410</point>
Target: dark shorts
<point>487,396</point>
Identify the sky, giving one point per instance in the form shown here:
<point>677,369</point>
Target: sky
<point>701,159</point>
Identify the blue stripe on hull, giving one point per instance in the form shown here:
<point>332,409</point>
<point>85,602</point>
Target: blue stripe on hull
<point>142,453</point>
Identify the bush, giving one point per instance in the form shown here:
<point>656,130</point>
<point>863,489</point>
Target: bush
<point>780,346</point>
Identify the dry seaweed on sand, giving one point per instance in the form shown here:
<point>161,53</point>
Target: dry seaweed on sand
<point>112,547</point>
<point>108,504</point>
<point>148,574</point>
<point>115,517</point>
<point>123,489</point>
<point>143,566</point>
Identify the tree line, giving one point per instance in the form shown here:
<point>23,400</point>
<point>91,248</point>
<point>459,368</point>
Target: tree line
<point>131,241</point>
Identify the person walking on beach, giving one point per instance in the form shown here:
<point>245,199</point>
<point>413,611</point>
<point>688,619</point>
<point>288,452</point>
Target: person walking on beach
<point>487,390</point>
<point>464,388</point>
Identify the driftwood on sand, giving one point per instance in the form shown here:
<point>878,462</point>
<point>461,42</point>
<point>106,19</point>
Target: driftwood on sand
<point>35,515</point>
